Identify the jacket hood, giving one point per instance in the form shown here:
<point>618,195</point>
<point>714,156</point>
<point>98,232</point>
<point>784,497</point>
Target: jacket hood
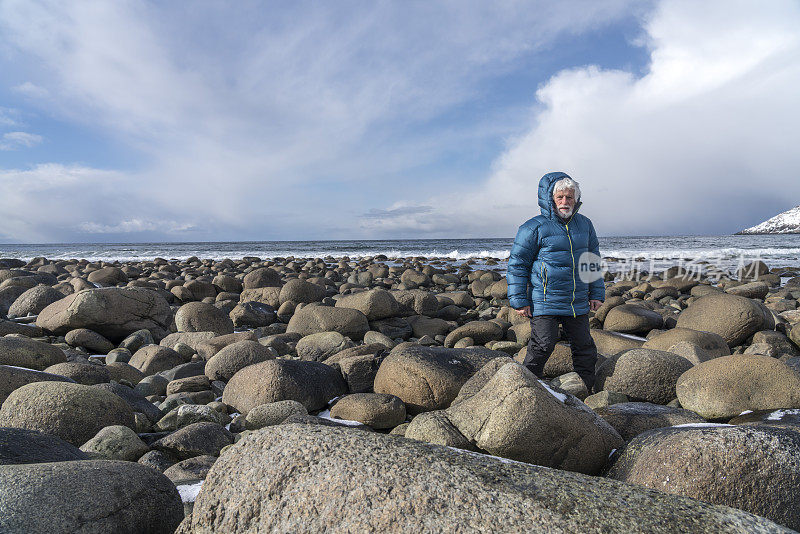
<point>546,186</point>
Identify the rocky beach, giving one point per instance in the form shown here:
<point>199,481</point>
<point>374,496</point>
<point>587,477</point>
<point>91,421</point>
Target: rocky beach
<point>358,394</point>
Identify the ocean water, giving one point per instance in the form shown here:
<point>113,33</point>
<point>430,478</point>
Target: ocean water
<point>652,253</point>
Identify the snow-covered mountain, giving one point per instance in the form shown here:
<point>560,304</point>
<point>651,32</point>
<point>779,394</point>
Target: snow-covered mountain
<point>787,222</point>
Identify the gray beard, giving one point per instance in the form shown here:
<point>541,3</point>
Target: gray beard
<point>567,215</point>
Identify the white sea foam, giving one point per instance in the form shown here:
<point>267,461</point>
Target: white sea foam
<point>775,250</point>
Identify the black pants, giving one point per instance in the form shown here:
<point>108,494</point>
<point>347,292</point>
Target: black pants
<point>544,336</point>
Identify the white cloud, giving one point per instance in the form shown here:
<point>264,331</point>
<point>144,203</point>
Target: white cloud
<point>8,116</point>
<point>240,115</point>
<point>58,203</point>
<point>17,140</point>
<point>704,142</point>
<point>129,226</point>
<point>31,90</point>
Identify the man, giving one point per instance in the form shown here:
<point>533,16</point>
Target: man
<point>544,278</point>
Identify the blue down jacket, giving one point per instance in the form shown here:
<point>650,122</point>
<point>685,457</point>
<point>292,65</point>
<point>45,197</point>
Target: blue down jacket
<point>543,266</point>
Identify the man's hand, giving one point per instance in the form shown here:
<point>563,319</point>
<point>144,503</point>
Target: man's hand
<point>524,312</point>
<point>593,305</point>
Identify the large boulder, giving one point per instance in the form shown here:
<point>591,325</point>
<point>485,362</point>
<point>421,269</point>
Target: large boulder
<point>108,276</point>
<point>297,291</point>
<point>152,359</point>
<point>632,319</point>
<point>235,357</point>
<point>113,312</point>
<point>413,278</point>
<point>118,371</point>
<point>359,365</point>
<point>87,496</point>
<point>725,387</point>
<point>261,277</point>
<point>752,290</point>
<point>203,317</point>
<point>480,332</point>
<point>422,325</point>
<point>207,349</point>
<point>611,343</point>
<point>416,301</point>
<point>630,419</point>
<point>733,317</point>
<point>428,378</point>
<point>12,327</point>
<point>21,446</point>
<point>12,378</point>
<point>372,409</point>
<point>460,298</point>
<point>273,413</point>
<point>115,442</point>
<point>753,468</point>
<point>28,353</point>
<point>311,383</point>
<point>7,297</point>
<point>714,344</point>
<point>192,339</point>
<point>195,468</point>
<point>642,374</point>
<point>134,399</point>
<point>82,372</point>
<point>290,478</point>
<point>319,347</point>
<point>266,295</point>
<point>196,439</point>
<point>435,427</point>
<point>137,340</point>
<point>394,327</point>
<point>375,303</point>
<point>252,314</point>
<point>200,290</point>
<point>90,340</point>
<point>314,319</point>
<point>227,283</point>
<point>73,412</point>
<point>34,300</point>
<point>516,416</point>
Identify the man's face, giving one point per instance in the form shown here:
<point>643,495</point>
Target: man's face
<point>565,202</point>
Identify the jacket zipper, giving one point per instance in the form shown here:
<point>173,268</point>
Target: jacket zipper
<point>572,256</point>
<point>544,272</point>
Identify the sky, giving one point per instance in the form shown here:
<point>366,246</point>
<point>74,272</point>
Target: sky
<point>130,121</point>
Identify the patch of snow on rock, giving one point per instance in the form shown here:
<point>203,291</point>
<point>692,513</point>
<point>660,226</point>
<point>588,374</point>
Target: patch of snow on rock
<point>481,455</point>
<point>326,414</point>
<point>23,368</point>
<point>559,396</point>
<point>700,425</point>
<point>189,492</point>
<point>777,415</point>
